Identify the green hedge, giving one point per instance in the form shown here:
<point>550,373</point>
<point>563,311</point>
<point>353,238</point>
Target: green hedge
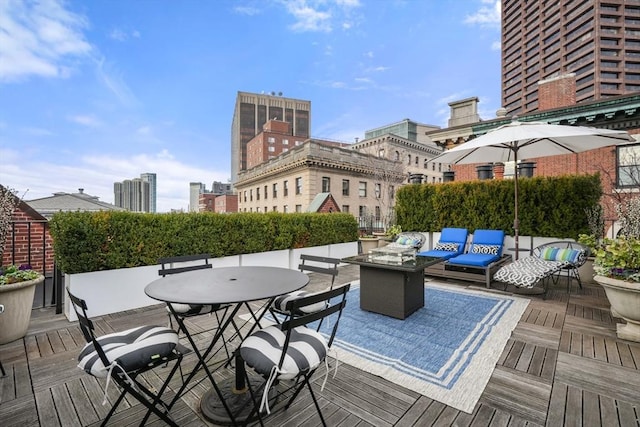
<point>92,241</point>
<point>547,206</point>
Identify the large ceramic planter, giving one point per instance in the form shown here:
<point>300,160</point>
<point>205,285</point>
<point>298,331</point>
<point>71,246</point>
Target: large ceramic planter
<point>624,298</point>
<point>17,299</point>
<point>368,243</point>
<point>586,271</point>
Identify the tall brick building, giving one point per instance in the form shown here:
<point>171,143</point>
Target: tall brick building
<point>251,113</point>
<point>596,40</point>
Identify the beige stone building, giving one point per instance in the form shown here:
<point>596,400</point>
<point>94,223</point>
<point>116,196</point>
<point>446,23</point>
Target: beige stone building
<point>362,178</point>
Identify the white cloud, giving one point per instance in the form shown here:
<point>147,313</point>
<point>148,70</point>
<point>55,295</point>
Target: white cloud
<point>486,16</point>
<point>496,45</point>
<point>85,120</point>
<point>246,10</point>
<point>39,39</point>
<point>121,35</point>
<point>96,174</point>
<point>319,15</point>
<point>115,83</point>
<point>368,54</point>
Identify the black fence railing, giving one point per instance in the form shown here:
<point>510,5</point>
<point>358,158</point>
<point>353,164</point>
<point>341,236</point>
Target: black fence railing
<point>369,224</point>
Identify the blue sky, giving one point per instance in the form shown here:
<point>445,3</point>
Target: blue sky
<point>94,92</point>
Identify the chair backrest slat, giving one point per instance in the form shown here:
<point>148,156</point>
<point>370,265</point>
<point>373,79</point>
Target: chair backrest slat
<point>168,264</point>
<point>322,269</point>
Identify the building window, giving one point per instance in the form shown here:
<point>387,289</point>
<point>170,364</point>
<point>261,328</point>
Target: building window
<point>397,156</point>
<point>266,209</point>
<point>285,208</point>
<point>345,187</point>
<point>275,209</point>
<point>245,196</point>
<point>345,208</point>
<point>285,142</point>
<point>377,188</point>
<point>298,143</point>
<point>299,185</point>
<point>284,150</point>
<point>285,188</point>
<point>271,149</point>
<point>271,140</point>
<point>275,190</point>
<point>377,213</point>
<point>326,184</point>
<point>381,152</point>
<point>362,189</point>
<point>392,192</point>
<point>362,211</point>
<point>425,164</point>
<point>409,159</point>
<point>266,189</point>
<point>298,208</point>
<point>257,193</point>
<point>417,162</point>
<point>251,195</point>
<point>628,165</point>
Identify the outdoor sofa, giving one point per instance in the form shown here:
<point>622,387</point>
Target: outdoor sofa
<point>483,258</point>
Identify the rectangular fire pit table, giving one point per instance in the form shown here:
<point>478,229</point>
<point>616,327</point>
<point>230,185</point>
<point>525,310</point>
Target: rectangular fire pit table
<point>392,282</point>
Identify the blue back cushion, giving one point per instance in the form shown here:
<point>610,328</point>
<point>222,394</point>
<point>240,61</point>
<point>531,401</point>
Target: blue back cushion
<point>458,235</point>
<point>488,237</point>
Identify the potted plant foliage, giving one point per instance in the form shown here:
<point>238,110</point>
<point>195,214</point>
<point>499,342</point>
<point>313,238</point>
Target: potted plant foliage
<point>17,283</point>
<point>617,267</point>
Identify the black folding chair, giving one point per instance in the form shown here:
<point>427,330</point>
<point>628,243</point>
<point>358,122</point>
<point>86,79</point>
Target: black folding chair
<point>308,263</point>
<point>292,351</point>
<point>124,356</point>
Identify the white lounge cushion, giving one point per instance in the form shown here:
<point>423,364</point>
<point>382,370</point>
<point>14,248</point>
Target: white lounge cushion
<point>527,271</point>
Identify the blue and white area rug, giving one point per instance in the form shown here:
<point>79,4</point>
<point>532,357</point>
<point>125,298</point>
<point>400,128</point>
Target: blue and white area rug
<point>446,351</point>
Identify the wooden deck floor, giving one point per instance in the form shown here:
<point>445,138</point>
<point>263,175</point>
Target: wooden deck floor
<point>563,365</point>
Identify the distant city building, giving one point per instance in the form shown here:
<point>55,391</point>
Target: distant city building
<point>251,113</point>
<point>596,40</point>
<point>152,180</point>
<point>408,129</point>
<point>195,189</point>
<point>219,188</point>
<point>135,194</point>
<point>70,202</point>
<point>226,203</point>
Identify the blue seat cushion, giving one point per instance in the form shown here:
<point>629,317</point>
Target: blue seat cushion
<point>475,260</point>
<point>263,348</point>
<point>132,349</point>
<point>440,254</point>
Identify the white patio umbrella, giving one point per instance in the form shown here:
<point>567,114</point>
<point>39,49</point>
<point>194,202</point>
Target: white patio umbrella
<point>529,140</point>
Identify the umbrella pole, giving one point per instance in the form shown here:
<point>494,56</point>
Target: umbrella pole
<point>516,224</point>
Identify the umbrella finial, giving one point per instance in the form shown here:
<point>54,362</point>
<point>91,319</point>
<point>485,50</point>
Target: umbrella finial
<point>514,118</point>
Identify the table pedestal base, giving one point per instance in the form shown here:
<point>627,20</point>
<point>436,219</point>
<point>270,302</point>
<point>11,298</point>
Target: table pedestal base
<point>240,404</point>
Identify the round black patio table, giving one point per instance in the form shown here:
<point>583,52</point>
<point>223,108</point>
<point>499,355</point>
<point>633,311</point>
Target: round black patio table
<point>226,285</point>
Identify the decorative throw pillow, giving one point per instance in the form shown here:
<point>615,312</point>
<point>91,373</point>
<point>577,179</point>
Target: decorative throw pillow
<point>557,254</point>
<point>402,240</point>
<point>485,249</point>
<point>447,246</point>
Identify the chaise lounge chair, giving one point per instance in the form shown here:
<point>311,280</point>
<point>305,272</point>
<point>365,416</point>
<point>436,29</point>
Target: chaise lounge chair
<point>483,258</point>
<point>547,262</point>
<point>452,243</point>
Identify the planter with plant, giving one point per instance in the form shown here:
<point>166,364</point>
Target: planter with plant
<point>617,267</point>
<point>17,283</point>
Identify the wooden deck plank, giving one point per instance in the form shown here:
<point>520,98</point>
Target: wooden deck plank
<point>525,358</point>
<point>557,405</point>
<point>626,359</point>
<point>608,411</point>
<point>590,409</point>
<point>64,406</point>
<point>627,413</point>
<point>421,413</point>
<point>598,377</point>
<point>613,357</point>
<point>19,412</point>
<point>573,409</point>
<point>537,335</point>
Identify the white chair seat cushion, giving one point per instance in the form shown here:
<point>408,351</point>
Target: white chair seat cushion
<point>131,349</point>
<point>262,351</point>
<point>280,303</point>
<point>527,271</point>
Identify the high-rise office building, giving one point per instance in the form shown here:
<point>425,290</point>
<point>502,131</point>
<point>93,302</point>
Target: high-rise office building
<point>252,111</point>
<point>597,41</point>
<point>152,180</point>
<point>136,195</point>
